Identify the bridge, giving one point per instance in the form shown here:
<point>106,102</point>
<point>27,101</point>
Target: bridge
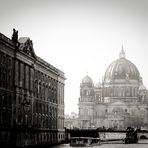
<point>104,134</point>
<point>142,134</point>
<point>121,134</point>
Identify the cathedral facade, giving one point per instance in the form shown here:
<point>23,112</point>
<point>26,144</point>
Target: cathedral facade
<point>119,101</point>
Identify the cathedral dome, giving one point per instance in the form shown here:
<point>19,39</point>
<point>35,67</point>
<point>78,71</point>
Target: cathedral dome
<point>87,81</point>
<point>121,69</point>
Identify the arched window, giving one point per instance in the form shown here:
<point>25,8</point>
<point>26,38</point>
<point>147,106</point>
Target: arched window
<point>119,92</point>
<point>127,91</point>
<point>136,90</point>
<point>116,91</point>
<point>133,94</point>
<point>87,92</point>
<point>106,110</point>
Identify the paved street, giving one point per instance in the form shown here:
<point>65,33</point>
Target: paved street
<point>111,146</point>
<point>141,144</point>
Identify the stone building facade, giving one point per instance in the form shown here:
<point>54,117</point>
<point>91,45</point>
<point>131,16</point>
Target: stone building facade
<point>31,96</point>
<point>119,101</point>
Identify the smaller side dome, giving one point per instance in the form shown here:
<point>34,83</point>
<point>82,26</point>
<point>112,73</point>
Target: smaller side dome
<point>98,85</point>
<point>142,87</point>
<point>87,81</point>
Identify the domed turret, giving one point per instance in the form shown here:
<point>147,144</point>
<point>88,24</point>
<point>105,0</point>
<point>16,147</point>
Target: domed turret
<point>142,88</point>
<point>98,85</point>
<point>87,81</point>
<point>121,69</point>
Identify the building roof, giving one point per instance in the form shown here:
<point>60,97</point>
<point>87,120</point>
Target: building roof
<point>23,39</point>
<point>121,69</point>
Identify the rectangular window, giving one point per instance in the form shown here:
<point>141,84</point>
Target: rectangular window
<point>16,73</point>
<point>21,74</point>
<point>27,77</point>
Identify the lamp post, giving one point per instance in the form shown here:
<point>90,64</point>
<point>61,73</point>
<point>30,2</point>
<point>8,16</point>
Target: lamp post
<point>26,107</point>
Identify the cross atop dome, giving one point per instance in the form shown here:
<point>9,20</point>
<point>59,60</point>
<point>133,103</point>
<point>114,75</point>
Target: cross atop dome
<point>122,53</point>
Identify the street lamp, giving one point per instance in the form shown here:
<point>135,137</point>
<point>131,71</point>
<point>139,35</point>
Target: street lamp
<point>26,107</point>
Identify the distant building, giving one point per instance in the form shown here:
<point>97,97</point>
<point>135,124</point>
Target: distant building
<point>71,121</point>
<point>119,101</point>
<point>31,96</point>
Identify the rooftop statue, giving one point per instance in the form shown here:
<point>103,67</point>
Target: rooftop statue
<point>15,35</point>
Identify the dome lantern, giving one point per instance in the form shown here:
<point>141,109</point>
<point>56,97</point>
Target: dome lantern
<point>122,53</point>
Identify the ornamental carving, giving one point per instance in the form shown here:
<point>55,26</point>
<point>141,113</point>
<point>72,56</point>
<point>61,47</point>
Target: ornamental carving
<point>26,105</point>
<point>26,46</point>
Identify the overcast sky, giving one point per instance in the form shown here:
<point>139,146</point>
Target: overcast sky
<point>80,36</point>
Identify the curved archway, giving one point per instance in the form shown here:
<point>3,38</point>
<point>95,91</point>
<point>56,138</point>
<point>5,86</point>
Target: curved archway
<point>143,137</point>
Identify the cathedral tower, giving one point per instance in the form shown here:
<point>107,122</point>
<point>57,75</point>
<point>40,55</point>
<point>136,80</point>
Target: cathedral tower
<point>86,102</point>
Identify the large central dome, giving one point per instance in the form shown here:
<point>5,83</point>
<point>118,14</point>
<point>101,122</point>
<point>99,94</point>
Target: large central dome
<point>121,69</point>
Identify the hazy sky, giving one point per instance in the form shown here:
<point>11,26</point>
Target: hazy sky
<point>80,36</point>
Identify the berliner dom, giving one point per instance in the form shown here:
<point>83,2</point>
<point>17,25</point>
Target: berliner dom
<point>119,101</point>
